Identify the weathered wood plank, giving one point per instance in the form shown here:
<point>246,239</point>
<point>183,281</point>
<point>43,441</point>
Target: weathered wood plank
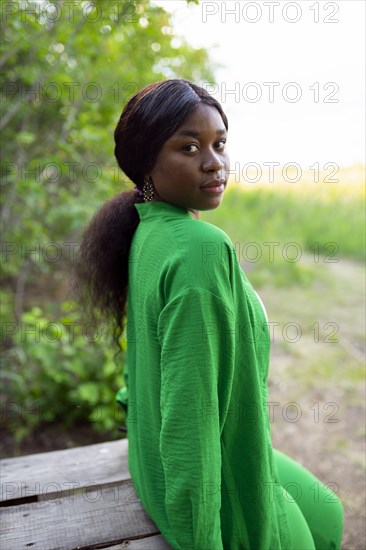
<point>105,517</point>
<point>57,471</point>
<point>149,543</point>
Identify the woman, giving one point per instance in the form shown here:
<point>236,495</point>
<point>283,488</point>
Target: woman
<point>200,453</point>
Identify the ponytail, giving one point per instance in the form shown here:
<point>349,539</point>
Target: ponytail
<point>101,266</point>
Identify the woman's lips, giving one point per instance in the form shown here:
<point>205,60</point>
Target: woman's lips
<point>214,189</point>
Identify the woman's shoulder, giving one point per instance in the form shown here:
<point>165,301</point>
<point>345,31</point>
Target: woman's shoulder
<point>182,237</point>
<point>195,241</point>
<point>202,231</point>
<point>209,228</point>
<point>199,254</point>
<point>210,240</point>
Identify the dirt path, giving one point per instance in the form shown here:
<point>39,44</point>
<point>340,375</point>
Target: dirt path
<point>317,363</point>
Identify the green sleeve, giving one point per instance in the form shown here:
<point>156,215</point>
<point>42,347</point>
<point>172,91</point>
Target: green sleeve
<point>191,331</point>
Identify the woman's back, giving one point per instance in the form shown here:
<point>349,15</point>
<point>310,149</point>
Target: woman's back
<point>200,454</point>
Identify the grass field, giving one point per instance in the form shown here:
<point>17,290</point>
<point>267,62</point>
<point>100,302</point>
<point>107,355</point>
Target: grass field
<point>303,212</point>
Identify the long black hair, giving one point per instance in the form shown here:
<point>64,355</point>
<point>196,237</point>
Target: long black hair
<point>149,118</point>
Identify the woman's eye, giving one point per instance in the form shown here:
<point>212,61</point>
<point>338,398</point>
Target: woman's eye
<point>218,145</point>
<point>187,147</point>
<point>221,144</point>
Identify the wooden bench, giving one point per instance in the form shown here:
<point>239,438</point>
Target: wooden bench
<point>75,498</point>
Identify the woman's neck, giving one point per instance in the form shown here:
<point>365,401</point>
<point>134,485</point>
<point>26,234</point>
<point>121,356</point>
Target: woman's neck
<point>196,213</point>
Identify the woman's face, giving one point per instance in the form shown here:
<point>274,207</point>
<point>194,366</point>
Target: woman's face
<point>194,156</point>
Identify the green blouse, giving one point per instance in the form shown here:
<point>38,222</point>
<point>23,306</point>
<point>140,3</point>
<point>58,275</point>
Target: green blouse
<point>199,443</point>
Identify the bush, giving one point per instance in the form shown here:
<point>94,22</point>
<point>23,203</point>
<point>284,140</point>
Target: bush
<point>58,370</point>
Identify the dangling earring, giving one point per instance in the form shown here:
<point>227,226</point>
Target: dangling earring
<point>148,190</point>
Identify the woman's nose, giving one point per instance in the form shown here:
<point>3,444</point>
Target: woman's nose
<point>213,164</point>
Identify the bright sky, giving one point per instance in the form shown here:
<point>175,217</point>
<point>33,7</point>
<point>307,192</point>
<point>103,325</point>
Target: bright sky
<point>311,51</point>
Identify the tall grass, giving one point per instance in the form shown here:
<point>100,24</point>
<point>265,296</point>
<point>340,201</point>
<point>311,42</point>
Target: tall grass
<point>289,234</point>
<point>324,217</point>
